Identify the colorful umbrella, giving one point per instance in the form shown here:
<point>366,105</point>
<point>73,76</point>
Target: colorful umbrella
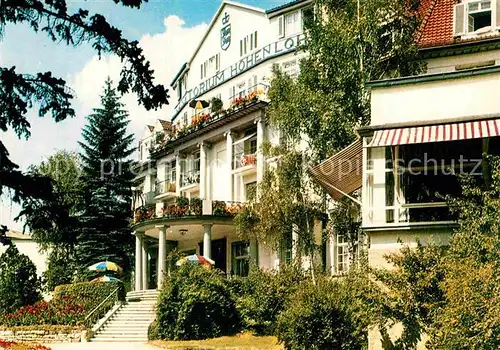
<point>105,266</point>
<point>105,279</point>
<point>195,259</point>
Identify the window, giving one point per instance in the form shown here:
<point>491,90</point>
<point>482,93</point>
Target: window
<point>479,15</point>
<point>240,256</point>
<point>171,170</point>
<point>185,118</point>
<point>252,83</point>
<point>196,161</point>
<point>291,68</point>
<point>345,252</point>
<point>179,90</point>
<point>289,24</point>
<point>248,43</point>
<point>307,17</point>
<point>475,17</point>
<point>410,183</point>
<point>210,66</point>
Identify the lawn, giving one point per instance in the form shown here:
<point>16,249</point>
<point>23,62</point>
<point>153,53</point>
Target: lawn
<point>243,341</point>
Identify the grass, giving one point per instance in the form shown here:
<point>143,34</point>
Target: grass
<point>243,341</point>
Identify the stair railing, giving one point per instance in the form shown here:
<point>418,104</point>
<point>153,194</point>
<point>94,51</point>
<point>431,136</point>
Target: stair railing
<point>91,319</point>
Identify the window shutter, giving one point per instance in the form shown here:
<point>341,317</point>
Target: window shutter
<point>497,14</point>
<point>281,26</point>
<point>459,20</point>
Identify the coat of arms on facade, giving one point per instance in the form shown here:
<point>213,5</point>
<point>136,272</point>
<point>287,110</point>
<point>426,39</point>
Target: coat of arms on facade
<point>225,32</point>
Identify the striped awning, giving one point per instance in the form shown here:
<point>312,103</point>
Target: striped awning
<point>341,174</point>
<point>436,133</point>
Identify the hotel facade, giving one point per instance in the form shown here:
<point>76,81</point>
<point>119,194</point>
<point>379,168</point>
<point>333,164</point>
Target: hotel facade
<point>199,166</point>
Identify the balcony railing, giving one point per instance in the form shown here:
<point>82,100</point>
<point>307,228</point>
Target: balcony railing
<point>242,159</point>
<point>204,117</point>
<point>167,186</point>
<point>184,207</point>
<point>190,178</point>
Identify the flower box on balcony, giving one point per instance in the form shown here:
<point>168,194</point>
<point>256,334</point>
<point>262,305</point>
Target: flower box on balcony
<point>248,159</point>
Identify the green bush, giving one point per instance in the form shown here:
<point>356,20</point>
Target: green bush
<point>153,331</point>
<point>91,294</point>
<point>19,284</point>
<point>195,303</point>
<point>322,316</point>
<point>263,296</point>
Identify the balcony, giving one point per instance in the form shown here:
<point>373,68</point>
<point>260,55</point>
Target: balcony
<point>244,102</point>
<point>190,180</point>
<point>165,188</point>
<point>188,208</point>
<point>244,162</point>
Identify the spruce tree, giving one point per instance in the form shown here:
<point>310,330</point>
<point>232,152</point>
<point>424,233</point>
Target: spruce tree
<point>106,182</point>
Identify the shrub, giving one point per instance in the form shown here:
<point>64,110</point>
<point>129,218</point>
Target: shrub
<point>264,295</point>
<point>195,303</point>
<point>6,344</point>
<point>322,316</point>
<point>153,331</point>
<point>19,284</point>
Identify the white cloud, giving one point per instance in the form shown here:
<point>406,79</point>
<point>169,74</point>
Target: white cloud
<point>166,51</point>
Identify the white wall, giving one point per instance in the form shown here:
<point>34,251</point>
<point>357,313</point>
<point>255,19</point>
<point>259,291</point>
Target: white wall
<point>441,99</point>
<point>30,248</point>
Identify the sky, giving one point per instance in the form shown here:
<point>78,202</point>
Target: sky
<point>167,30</point>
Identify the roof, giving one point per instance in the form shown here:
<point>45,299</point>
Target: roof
<point>285,6</point>
<point>214,18</point>
<point>179,73</point>
<point>165,124</point>
<point>16,235</point>
<point>437,25</point>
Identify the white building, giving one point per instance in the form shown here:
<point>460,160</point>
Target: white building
<point>201,163</point>
<point>27,246</point>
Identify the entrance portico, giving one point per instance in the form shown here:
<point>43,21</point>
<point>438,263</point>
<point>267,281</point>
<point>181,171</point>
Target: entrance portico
<point>189,235</point>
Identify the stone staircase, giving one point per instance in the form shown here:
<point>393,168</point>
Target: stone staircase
<point>131,321</point>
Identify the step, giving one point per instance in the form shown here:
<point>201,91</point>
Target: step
<point>124,330</point>
<point>120,339</point>
<point>123,333</point>
<point>122,322</point>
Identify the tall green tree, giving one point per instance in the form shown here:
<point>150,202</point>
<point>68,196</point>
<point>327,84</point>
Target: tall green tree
<point>22,91</point>
<point>106,182</point>
<point>19,284</point>
<point>53,221</point>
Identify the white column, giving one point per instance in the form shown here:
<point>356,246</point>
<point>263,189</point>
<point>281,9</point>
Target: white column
<point>144,263</point>
<point>138,261</point>
<point>177,175</point>
<point>229,165</point>
<point>162,254</point>
<point>260,156</point>
<point>203,171</point>
<point>207,240</point>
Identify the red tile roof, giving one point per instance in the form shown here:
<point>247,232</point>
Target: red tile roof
<point>165,124</point>
<point>437,25</point>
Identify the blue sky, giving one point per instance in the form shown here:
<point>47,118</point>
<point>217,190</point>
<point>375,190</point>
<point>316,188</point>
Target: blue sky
<point>168,31</point>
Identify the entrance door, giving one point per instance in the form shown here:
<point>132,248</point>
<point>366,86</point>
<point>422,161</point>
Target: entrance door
<point>218,253</point>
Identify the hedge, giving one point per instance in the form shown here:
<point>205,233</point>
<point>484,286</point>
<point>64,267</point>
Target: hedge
<point>90,292</point>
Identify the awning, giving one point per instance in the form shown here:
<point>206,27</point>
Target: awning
<point>341,174</point>
<point>436,133</point>
<point>244,139</point>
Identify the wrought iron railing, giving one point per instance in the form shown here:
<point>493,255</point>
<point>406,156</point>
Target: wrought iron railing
<point>190,178</point>
<point>100,310</point>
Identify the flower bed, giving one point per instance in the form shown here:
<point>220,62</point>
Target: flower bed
<point>64,311</point>
<point>203,119</point>
<point>6,344</point>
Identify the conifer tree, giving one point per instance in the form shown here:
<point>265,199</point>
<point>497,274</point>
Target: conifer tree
<point>106,182</point>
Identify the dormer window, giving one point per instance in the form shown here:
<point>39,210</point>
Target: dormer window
<point>475,17</point>
<point>479,15</point>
